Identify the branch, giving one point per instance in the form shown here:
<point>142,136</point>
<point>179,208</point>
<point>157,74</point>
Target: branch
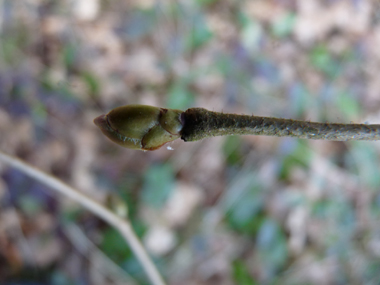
<point>123,226</point>
<point>200,123</point>
<point>148,128</point>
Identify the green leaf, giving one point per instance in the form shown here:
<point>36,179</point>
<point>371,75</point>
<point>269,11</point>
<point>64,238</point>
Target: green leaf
<point>179,96</point>
<point>71,215</point>
<point>158,185</point>
<point>300,99</point>
<point>251,35</point>
<point>60,278</point>
<point>39,112</point>
<point>298,157</point>
<point>271,247</point>
<point>113,245</point>
<point>245,215</point>
<point>231,149</point>
<point>30,205</point>
<point>241,274</point>
<point>69,55</point>
<point>92,83</point>
<point>206,2</point>
<point>365,159</point>
<point>347,104</point>
<point>283,26</point>
<point>200,33</point>
<point>322,60</point>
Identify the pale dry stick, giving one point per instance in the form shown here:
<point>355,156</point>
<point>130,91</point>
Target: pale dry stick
<point>123,226</point>
<point>97,258</point>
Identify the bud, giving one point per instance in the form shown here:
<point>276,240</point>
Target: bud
<point>140,126</point>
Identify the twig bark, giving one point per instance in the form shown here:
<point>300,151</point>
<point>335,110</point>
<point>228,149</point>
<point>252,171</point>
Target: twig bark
<point>123,226</point>
<point>199,123</point>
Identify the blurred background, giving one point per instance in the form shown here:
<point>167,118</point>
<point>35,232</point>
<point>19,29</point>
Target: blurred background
<point>231,210</point>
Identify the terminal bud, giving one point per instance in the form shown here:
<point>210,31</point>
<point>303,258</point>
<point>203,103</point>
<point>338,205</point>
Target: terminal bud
<point>140,126</point>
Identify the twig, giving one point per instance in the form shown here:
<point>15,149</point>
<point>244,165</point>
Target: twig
<point>200,123</point>
<point>123,226</point>
<point>148,128</point>
<point>100,262</point>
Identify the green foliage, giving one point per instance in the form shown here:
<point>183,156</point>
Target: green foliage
<point>347,104</point>
<point>113,245</point>
<point>60,278</point>
<point>245,215</point>
<point>231,150</point>
<point>8,54</point>
<point>158,185</point>
<point>340,214</point>
<point>283,26</point>
<point>251,34</point>
<point>12,45</point>
<point>30,205</point>
<point>241,274</point>
<point>367,167</point>
<point>39,112</point>
<point>179,96</point>
<point>72,215</point>
<point>298,157</point>
<point>60,90</point>
<point>271,247</point>
<point>375,207</point>
<point>200,34</point>
<point>125,193</point>
<point>69,55</point>
<point>206,2</point>
<point>300,99</point>
<point>323,61</point>
<point>139,23</point>
<point>372,272</point>
<point>92,83</point>
<point>336,210</point>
